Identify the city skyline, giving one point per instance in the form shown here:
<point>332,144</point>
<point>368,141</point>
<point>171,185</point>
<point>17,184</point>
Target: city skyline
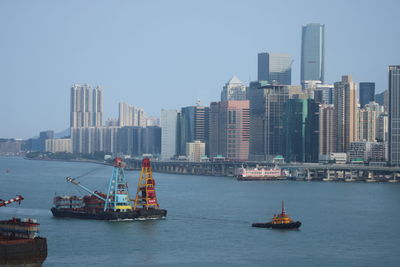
<point>38,73</point>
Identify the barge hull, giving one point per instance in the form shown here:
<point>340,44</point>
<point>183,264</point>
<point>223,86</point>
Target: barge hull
<point>13,251</point>
<point>111,216</point>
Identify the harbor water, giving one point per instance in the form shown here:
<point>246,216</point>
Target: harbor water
<point>209,220</point>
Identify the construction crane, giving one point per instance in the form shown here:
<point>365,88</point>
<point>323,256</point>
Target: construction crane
<point>12,200</point>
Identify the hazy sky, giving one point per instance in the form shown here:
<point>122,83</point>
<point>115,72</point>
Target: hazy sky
<point>168,54</point>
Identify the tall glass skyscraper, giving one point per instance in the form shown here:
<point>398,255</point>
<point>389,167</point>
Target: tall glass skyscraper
<point>394,115</point>
<point>367,93</point>
<point>313,52</point>
<point>273,67</point>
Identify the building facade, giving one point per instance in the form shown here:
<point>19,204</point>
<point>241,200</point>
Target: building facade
<point>267,118</point>
<point>275,68</point>
<point>327,131</point>
<point>86,106</point>
<point>345,101</point>
<point>193,124</point>
<point>234,89</point>
<point>229,129</point>
<point>59,145</point>
<point>301,130</point>
<point>313,52</point>
<point>168,121</point>
<point>131,116</point>
<point>394,115</point>
<point>367,93</point>
<point>195,150</point>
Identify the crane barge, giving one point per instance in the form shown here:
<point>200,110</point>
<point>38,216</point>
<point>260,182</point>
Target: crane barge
<point>116,203</point>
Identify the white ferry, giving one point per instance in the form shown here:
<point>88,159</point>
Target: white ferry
<point>260,174</point>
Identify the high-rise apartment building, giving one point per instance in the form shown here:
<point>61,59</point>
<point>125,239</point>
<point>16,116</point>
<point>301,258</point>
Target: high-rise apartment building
<point>275,68</point>
<point>131,116</point>
<point>394,115</point>
<point>367,93</point>
<point>327,131</point>
<point>345,101</point>
<point>234,89</point>
<point>229,129</point>
<point>301,130</point>
<point>313,52</point>
<point>267,117</point>
<point>168,121</point>
<point>86,106</point>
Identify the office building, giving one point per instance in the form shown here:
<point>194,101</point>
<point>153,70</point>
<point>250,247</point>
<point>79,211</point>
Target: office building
<point>229,129</point>
<point>234,89</point>
<point>301,130</point>
<point>394,115</point>
<point>367,93</point>
<point>168,121</point>
<point>193,124</point>
<point>275,68</point>
<point>86,106</point>
<point>313,52</point>
<point>267,117</point>
<point>345,101</point>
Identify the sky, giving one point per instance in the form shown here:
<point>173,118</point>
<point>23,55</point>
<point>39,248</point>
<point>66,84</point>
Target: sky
<point>170,54</point>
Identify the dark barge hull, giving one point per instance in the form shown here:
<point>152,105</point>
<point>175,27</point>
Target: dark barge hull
<point>110,215</point>
<point>293,225</point>
<point>23,251</point>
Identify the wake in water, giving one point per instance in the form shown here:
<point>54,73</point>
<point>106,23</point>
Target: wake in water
<point>24,211</point>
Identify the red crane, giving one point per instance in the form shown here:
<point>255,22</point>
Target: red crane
<point>12,200</point>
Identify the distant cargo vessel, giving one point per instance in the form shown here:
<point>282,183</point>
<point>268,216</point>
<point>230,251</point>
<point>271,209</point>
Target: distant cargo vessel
<point>115,204</point>
<point>260,174</point>
<point>20,242</point>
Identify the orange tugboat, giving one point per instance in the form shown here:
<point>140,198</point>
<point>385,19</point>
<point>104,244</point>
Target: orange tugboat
<point>280,221</point>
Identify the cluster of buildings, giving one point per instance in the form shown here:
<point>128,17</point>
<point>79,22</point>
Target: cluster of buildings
<point>265,120</point>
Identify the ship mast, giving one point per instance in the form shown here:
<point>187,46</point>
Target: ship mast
<point>146,193</point>
<point>117,195</point>
<point>283,208</point>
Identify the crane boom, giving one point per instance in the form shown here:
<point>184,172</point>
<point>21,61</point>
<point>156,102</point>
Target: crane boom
<point>12,200</point>
<point>73,181</point>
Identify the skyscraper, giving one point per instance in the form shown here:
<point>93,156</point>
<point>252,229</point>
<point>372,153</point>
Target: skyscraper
<point>275,68</point>
<point>367,93</point>
<point>313,52</point>
<point>229,129</point>
<point>234,89</point>
<point>301,130</point>
<point>193,124</point>
<point>345,102</point>
<point>168,123</point>
<point>86,106</point>
<point>394,115</point>
<point>327,131</point>
<point>267,117</point>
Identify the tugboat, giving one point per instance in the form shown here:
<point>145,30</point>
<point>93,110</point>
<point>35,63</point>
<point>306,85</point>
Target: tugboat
<point>115,204</point>
<point>280,221</point>
<point>19,240</point>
